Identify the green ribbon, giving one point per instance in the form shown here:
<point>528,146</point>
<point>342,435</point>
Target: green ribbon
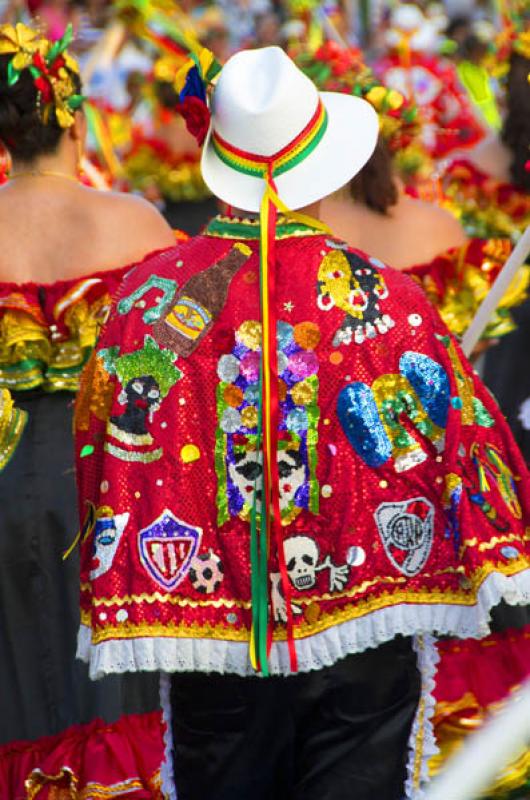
<point>259,555</point>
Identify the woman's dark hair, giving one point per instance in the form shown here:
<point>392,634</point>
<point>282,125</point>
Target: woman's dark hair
<point>374,185</point>
<point>458,27</point>
<point>166,95</point>
<point>22,129</point>
<point>516,129</point>
<point>473,49</point>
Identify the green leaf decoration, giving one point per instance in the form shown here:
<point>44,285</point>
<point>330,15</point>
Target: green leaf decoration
<point>75,101</point>
<point>60,45</point>
<point>12,74</point>
<point>213,70</point>
<point>151,360</point>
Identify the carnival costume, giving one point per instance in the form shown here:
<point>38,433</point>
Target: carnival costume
<point>47,332</point>
<point>415,415</point>
<point>413,68</point>
<point>220,530</point>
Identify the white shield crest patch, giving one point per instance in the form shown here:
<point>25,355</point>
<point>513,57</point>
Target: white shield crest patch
<point>167,548</point>
<point>407,530</point>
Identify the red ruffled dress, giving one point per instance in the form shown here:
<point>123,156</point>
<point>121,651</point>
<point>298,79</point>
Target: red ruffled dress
<point>47,333</point>
<point>458,280</point>
<point>96,760</point>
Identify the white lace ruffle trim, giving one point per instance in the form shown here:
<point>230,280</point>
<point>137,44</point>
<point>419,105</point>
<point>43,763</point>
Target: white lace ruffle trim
<point>166,770</point>
<point>171,654</point>
<point>422,741</point>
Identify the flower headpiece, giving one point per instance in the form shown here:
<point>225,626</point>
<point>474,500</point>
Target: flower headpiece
<point>514,37</point>
<point>190,74</point>
<point>521,44</point>
<point>336,69</point>
<point>51,68</point>
<point>194,66</point>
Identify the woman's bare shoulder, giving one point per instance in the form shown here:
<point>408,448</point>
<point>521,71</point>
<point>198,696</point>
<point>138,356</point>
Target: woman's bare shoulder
<point>141,220</point>
<point>436,222</point>
<point>492,157</point>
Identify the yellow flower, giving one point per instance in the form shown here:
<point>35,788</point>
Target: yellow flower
<point>165,68</point>
<point>376,95</point>
<point>395,99</point>
<point>71,63</point>
<point>63,115</point>
<point>14,39</point>
<point>522,44</point>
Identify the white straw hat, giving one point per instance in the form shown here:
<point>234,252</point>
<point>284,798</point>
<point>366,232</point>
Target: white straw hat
<point>262,103</point>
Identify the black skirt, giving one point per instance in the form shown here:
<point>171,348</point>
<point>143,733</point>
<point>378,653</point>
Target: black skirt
<point>44,689</point>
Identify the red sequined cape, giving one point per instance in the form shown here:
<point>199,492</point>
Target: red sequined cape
<point>404,500</point>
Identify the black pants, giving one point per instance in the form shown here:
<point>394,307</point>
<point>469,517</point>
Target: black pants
<point>334,734</point>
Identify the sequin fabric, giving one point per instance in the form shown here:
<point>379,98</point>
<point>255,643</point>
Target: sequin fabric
<point>401,483</point>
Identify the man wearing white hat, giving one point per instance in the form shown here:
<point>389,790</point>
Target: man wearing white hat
<point>292,476</point>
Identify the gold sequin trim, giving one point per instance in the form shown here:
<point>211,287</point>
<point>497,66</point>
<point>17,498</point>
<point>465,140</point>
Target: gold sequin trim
<point>491,543</point>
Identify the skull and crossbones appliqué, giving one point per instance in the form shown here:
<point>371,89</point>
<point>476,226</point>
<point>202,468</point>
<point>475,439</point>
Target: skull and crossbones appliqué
<point>302,559</point>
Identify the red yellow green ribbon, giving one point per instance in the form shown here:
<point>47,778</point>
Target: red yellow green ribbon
<point>267,525</point>
<point>285,159</point>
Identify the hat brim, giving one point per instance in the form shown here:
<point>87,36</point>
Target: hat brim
<point>349,141</point>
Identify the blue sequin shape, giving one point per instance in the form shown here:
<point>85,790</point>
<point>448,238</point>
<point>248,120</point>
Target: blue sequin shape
<point>430,382</point>
<point>360,420</point>
<point>284,334</point>
<point>297,421</point>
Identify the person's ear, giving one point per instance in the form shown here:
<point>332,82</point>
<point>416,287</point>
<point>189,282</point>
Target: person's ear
<point>78,130</point>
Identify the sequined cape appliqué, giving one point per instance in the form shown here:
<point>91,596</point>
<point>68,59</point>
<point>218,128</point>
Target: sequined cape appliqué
<point>405,504</point>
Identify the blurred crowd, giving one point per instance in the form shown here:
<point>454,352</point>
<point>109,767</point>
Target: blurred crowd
<point>138,143</point>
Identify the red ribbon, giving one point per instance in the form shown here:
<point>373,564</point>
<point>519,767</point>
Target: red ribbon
<point>270,459</point>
